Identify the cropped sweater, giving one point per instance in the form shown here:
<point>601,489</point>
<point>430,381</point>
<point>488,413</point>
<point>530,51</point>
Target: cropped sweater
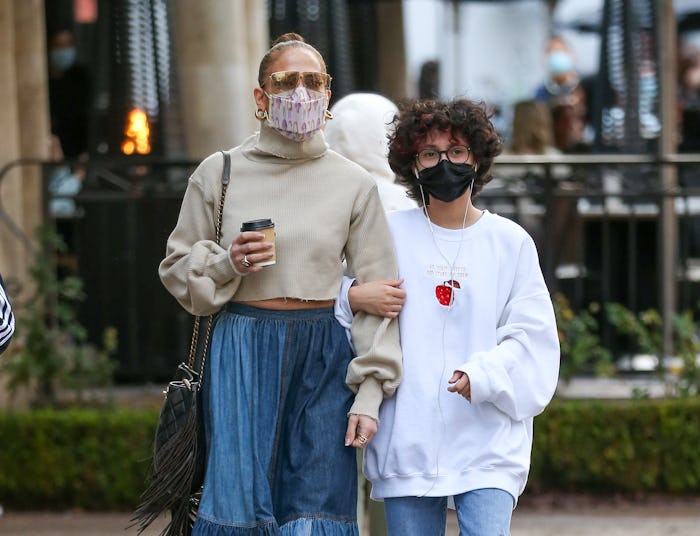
<point>325,209</point>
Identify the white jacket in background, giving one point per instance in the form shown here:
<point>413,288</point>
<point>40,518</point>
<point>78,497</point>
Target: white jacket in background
<point>358,131</point>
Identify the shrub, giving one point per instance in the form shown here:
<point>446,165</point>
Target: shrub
<point>99,459</point>
<point>581,348</point>
<point>91,459</point>
<point>50,349</point>
<point>630,446</point>
<point>645,330</point>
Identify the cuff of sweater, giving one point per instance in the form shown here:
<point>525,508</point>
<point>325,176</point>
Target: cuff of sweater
<point>368,398</point>
<point>223,270</point>
<point>478,382</point>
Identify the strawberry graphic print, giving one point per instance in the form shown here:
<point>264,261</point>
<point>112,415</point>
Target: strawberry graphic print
<point>445,292</point>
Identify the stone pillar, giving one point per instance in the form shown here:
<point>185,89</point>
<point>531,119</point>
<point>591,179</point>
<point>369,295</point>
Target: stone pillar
<point>24,122</point>
<point>391,53</point>
<point>33,104</point>
<point>218,49</point>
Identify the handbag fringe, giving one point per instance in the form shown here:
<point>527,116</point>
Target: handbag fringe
<point>171,482</point>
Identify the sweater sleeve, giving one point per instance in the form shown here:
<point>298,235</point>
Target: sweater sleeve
<point>519,375</point>
<point>376,370</point>
<point>7,319</point>
<point>196,270</point>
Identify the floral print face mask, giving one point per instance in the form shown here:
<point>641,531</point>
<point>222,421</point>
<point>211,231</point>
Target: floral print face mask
<point>297,114</point>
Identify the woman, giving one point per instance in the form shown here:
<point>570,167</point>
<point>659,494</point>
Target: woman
<point>479,339</point>
<point>279,417</point>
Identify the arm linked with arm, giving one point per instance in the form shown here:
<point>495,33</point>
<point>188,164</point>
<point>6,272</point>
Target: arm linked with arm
<point>376,370</point>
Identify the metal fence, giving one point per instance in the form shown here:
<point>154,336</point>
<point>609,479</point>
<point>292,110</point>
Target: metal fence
<point>600,223</point>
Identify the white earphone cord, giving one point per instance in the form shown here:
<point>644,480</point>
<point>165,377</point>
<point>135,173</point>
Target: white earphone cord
<point>444,323</point>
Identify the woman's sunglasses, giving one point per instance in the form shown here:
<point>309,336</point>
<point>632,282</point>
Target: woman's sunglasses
<point>289,80</point>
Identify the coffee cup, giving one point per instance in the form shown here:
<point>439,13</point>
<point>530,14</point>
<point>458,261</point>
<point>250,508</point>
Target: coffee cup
<point>267,227</point>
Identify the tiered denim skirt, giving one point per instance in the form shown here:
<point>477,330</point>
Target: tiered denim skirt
<point>275,405</point>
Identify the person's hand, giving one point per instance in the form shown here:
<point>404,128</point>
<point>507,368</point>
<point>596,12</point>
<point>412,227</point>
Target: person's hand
<point>55,150</point>
<point>361,430</point>
<point>459,383</point>
<point>381,298</point>
<point>247,249</point>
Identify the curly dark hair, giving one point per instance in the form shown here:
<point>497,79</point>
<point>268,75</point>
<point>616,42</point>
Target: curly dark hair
<point>416,118</point>
<point>279,45</point>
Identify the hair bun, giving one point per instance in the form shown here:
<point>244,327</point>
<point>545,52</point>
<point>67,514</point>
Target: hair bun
<point>289,36</point>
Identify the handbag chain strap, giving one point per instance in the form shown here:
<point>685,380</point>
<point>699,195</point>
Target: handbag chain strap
<point>225,177</point>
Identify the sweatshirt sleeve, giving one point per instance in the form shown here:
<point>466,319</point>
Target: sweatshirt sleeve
<point>196,270</point>
<point>7,319</point>
<point>519,375</point>
<point>376,370</point>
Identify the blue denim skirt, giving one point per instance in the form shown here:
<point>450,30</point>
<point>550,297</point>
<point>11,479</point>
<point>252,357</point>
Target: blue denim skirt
<point>275,405</point>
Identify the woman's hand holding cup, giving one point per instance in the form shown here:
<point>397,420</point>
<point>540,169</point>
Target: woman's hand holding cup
<point>249,249</point>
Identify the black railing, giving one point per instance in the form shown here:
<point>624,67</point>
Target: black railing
<point>599,221</point>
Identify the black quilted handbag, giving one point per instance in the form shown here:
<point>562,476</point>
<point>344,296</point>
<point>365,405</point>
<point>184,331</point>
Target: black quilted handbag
<point>179,450</point>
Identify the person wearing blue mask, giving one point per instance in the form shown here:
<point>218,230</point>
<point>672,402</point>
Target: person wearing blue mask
<point>69,95</point>
<point>69,106</point>
<point>567,98</point>
<point>562,77</point>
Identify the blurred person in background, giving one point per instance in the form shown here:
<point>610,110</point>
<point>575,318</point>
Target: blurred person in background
<point>531,133</point>
<point>567,98</point>
<point>689,127</point>
<point>69,95</point>
<point>429,80</point>
<point>689,92</point>
<point>359,131</point>
<point>69,108</point>
<point>64,184</point>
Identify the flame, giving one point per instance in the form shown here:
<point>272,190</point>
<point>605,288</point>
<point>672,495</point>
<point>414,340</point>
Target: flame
<point>137,133</point>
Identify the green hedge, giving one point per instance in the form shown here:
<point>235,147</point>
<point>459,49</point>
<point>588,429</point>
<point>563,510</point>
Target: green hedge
<point>631,446</point>
<point>98,460</point>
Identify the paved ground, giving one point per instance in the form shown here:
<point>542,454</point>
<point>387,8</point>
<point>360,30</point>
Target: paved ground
<point>569,516</point>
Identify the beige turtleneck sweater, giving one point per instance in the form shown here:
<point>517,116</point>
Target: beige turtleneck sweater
<point>325,208</point>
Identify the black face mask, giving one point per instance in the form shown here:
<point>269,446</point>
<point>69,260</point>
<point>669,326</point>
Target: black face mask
<point>447,181</point>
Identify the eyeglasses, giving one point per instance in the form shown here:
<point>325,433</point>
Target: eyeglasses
<point>457,154</point>
<point>289,80</point>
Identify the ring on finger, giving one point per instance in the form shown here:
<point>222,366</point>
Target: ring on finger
<point>245,262</point>
<point>362,439</point>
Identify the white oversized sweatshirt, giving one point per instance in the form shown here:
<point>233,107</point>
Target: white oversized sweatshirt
<point>499,329</point>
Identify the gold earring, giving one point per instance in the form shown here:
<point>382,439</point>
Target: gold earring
<point>260,115</point>
<point>328,115</point>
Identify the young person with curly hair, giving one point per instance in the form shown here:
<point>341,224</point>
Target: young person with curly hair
<point>285,401</point>
<point>479,339</point>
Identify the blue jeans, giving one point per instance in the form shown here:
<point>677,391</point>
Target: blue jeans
<point>481,512</point>
<point>275,405</point>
